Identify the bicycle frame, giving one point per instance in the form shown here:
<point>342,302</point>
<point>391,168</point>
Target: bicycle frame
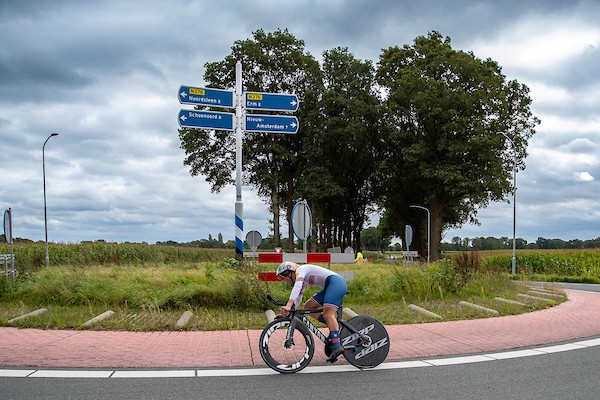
<point>300,316</point>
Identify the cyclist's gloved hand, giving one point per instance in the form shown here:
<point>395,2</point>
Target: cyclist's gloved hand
<point>284,310</point>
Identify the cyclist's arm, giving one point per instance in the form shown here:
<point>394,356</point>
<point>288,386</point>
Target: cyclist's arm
<point>297,292</point>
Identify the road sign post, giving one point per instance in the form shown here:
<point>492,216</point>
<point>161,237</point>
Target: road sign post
<point>254,239</point>
<point>8,236</point>
<point>408,237</point>
<point>239,205</point>
<point>302,221</point>
<point>241,101</point>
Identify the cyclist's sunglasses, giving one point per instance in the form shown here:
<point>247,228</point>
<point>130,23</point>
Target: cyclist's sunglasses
<point>286,274</point>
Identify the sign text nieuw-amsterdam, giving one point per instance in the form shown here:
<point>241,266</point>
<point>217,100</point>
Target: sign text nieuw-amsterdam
<point>271,123</point>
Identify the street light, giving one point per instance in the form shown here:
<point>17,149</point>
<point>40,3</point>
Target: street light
<point>45,210</point>
<point>514,252</point>
<point>428,227</point>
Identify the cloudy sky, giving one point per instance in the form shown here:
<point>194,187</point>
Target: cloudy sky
<point>104,74</point>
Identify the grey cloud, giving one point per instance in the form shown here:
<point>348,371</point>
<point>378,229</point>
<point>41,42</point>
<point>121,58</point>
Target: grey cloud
<point>105,74</point>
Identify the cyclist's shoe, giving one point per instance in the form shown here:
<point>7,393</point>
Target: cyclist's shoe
<point>328,350</point>
<point>335,353</point>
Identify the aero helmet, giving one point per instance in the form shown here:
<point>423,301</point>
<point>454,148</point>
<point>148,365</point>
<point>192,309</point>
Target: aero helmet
<point>284,269</point>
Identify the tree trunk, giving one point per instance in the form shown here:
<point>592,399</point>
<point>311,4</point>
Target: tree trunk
<point>437,225</point>
<point>288,212</point>
<point>276,210</point>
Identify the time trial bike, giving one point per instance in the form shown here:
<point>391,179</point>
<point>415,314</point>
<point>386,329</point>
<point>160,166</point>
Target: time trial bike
<point>287,344</point>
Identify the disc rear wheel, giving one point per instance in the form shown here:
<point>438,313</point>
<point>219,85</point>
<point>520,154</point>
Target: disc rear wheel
<point>369,347</point>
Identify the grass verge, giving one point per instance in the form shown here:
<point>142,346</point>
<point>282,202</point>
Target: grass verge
<point>226,295</point>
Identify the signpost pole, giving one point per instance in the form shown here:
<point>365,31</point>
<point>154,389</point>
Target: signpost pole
<point>304,224</point>
<point>12,255</point>
<point>239,205</point>
<point>9,240</point>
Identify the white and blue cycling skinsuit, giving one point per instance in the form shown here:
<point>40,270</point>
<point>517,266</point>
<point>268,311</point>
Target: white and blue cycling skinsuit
<point>334,286</point>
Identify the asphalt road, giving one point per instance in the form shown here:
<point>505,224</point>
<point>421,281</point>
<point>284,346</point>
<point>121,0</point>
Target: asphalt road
<point>581,286</point>
<point>565,375</point>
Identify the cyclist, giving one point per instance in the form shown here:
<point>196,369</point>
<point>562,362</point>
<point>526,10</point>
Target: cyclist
<point>330,298</point>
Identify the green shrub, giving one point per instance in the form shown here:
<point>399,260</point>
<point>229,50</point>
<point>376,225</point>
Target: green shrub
<point>451,276</point>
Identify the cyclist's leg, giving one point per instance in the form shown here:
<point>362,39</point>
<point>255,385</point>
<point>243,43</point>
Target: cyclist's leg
<point>335,290</point>
<point>315,302</point>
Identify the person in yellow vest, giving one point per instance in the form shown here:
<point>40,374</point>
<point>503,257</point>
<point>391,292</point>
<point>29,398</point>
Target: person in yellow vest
<point>359,257</point>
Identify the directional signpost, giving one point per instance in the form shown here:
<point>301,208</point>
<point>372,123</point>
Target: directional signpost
<point>271,101</point>
<point>239,121</point>
<point>206,96</point>
<point>206,119</point>
<point>271,123</point>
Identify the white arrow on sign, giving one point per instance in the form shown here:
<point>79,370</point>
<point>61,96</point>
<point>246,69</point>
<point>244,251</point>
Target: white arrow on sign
<point>183,118</point>
<point>183,94</point>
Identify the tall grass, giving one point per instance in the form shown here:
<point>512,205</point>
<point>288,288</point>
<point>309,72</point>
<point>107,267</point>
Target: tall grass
<point>161,281</point>
<point>148,286</point>
<point>32,256</point>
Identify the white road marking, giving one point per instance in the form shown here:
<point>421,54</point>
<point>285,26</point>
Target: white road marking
<point>458,360</point>
<point>155,374</point>
<point>188,373</point>
<point>16,373</point>
<point>70,373</point>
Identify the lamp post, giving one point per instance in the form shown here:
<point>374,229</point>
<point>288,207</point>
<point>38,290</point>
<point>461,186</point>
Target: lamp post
<point>514,252</point>
<point>428,227</point>
<point>45,209</point>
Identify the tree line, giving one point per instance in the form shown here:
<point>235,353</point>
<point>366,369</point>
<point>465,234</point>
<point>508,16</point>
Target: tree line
<point>428,125</point>
<point>492,243</point>
<point>372,240</point>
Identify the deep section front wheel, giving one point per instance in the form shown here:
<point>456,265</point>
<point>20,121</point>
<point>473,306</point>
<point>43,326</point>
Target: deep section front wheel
<point>282,355</point>
<point>369,347</point>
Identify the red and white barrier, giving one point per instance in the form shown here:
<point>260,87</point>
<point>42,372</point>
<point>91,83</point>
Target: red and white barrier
<point>306,258</point>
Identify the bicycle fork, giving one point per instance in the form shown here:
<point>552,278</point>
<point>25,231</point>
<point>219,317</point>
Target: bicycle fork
<point>289,338</point>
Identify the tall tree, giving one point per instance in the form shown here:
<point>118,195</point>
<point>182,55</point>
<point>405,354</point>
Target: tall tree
<point>272,62</point>
<point>449,112</point>
<point>341,154</point>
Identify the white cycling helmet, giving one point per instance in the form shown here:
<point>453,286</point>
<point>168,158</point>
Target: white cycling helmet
<point>284,269</point>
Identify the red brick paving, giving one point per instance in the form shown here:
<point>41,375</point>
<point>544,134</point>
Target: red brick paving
<point>577,318</point>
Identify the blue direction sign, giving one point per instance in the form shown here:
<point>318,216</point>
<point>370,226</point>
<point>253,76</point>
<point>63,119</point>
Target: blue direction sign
<point>270,101</point>
<point>205,96</point>
<point>271,123</point>
<point>206,119</point>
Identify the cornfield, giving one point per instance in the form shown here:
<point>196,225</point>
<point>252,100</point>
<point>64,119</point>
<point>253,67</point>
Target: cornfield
<point>30,257</point>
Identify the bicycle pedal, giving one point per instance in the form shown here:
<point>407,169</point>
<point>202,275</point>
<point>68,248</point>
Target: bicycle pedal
<point>338,351</point>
